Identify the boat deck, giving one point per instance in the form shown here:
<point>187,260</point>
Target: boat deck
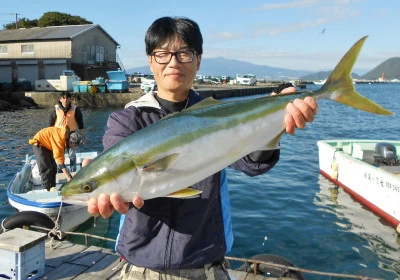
<point>368,157</point>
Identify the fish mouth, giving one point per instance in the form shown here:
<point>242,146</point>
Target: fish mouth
<point>80,199</point>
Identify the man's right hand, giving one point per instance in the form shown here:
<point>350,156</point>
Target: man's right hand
<point>105,205</point>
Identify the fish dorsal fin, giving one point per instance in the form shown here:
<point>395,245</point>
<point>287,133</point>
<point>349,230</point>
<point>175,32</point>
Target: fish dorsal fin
<point>185,193</point>
<point>162,163</point>
<point>204,103</point>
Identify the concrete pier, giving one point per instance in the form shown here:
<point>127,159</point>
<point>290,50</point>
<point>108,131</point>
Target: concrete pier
<point>118,100</point>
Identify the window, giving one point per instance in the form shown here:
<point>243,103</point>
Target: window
<point>27,48</point>
<point>95,54</point>
<point>3,49</point>
<point>99,54</point>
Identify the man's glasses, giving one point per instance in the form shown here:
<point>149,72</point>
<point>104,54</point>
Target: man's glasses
<point>164,57</point>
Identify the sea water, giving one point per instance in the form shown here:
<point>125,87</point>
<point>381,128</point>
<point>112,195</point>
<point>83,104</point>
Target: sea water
<point>292,211</point>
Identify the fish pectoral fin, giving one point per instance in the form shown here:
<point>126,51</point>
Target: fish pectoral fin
<point>185,193</point>
<point>162,163</point>
<point>274,143</point>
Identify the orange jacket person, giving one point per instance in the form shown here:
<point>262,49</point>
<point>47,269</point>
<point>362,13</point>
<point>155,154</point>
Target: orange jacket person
<point>49,145</point>
<point>65,114</point>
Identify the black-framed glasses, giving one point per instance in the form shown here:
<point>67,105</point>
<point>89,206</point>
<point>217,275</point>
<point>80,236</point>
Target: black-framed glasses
<point>164,57</point>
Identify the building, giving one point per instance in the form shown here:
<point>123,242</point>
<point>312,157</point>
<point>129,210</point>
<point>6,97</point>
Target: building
<point>29,54</point>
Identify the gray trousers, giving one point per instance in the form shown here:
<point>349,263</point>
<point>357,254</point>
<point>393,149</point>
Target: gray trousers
<point>47,166</point>
<point>72,159</point>
<point>208,272</point>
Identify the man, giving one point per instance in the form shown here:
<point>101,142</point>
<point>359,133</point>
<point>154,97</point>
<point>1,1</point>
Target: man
<point>65,114</point>
<point>168,238</point>
<point>49,145</point>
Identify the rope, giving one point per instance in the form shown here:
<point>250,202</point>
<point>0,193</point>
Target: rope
<point>257,262</point>
<point>2,226</point>
<point>60,233</point>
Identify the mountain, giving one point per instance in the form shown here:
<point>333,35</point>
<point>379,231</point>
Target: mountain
<point>230,67</point>
<point>390,68</point>
<point>322,75</point>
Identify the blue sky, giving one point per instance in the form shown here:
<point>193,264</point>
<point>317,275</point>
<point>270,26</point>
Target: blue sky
<point>276,33</point>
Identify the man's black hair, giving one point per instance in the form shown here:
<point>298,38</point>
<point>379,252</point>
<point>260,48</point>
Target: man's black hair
<point>167,28</point>
<point>66,94</point>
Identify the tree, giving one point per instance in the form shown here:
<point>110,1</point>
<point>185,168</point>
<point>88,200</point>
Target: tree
<point>22,23</point>
<point>59,19</point>
<point>49,19</point>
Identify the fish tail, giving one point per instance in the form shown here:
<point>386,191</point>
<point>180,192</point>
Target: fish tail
<point>341,87</point>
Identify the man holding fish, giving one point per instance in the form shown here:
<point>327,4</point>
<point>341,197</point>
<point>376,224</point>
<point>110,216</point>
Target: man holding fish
<point>169,237</point>
<point>156,155</point>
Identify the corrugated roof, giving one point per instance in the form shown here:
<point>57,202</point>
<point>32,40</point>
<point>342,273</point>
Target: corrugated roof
<point>47,33</point>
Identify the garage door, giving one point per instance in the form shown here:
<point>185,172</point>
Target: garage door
<point>5,73</point>
<point>53,68</point>
<point>28,71</point>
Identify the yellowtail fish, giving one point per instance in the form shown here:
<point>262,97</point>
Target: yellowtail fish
<point>169,156</point>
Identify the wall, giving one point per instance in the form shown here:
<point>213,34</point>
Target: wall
<point>42,49</point>
<point>95,37</point>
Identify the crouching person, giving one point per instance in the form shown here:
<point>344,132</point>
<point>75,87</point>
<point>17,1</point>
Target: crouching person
<point>49,145</point>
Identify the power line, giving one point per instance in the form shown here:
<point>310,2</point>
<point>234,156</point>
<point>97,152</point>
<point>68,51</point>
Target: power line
<point>12,14</point>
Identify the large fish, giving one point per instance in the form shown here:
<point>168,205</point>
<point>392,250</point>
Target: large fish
<point>184,148</point>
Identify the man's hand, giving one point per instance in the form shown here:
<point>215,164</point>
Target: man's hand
<point>105,205</point>
<point>299,113</point>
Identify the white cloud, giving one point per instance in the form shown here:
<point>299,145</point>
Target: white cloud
<point>290,5</point>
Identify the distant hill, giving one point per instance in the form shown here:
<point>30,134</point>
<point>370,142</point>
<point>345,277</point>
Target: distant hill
<point>390,67</point>
<point>230,67</point>
<point>322,76</point>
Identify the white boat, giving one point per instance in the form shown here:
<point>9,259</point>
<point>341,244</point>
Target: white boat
<point>40,207</point>
<point>368,170</point>
<point>319,82</point>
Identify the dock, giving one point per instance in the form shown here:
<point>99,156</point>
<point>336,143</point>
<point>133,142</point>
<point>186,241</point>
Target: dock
<point>79,262</point>
<point>27,254</point>
<point>119,99</point>
<point>65,260</point>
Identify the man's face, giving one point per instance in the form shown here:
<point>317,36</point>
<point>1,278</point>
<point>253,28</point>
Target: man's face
<point>65,101</point>
<point>71,144</point>
<point>174,77</point>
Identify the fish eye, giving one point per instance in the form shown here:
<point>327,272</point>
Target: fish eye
<point>87,188</point>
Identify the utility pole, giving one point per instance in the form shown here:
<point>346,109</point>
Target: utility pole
<point>16,19</point>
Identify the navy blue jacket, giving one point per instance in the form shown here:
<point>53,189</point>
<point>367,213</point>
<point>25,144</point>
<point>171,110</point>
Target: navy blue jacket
<point>168,233</point>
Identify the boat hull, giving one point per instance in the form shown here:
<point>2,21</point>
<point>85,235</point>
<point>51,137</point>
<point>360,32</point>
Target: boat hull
<point>347,163</point>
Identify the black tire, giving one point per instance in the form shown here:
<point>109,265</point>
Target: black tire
<point>27,219</point>
<point>272,271</point>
